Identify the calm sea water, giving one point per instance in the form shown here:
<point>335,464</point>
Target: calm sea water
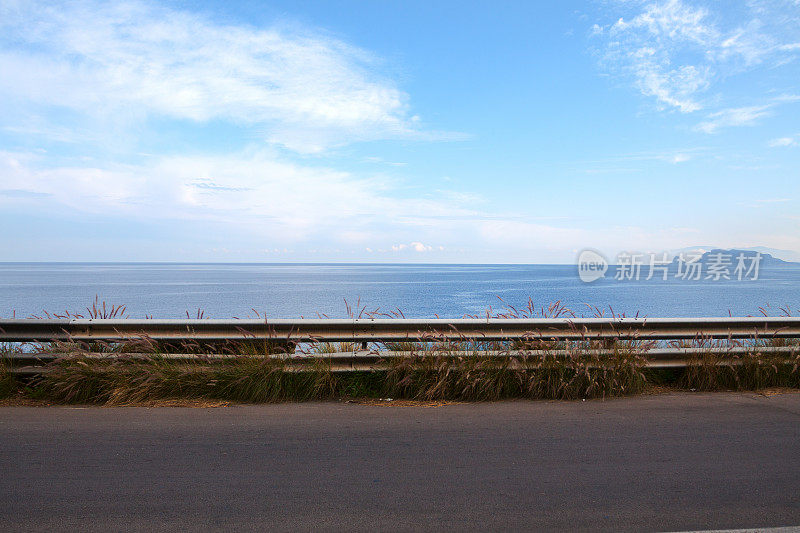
<point>423,291</point>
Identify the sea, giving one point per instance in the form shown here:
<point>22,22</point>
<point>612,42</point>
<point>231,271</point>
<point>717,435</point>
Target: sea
<point>178,290</point>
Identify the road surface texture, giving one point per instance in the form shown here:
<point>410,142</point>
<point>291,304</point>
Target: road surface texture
<point>662,462</point>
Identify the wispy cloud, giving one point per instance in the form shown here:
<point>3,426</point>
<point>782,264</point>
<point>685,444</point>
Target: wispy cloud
<point>22,193</point>
<point>86,73</point>
<point>673,157</point>
<point>764,202</point>
<point>785,141</point>
<point>675,51</point>
<point>277,197</point>
<point>643,48</point>
<point>285,205</point>
<point>415,246</point>
<point>739,116</point>
<point>743,116</point>
<point>773,200</point>
<point>132,60</point>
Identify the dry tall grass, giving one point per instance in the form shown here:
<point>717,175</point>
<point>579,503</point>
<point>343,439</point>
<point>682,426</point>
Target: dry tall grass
<point>431,368</point>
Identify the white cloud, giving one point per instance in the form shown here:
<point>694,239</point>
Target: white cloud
<point>283,205</point>
<point>675,87</point>
<point>670,156</point>
<point>766,202</point>
<point>251,198</point>
<point>673,20</point>
<point>784,141</point>
<point>88,73</point>
<point>674,51</point>
<point>642,47</point>
<point>129,60</point>
<point>679,158</point>
<point>415,246</point>
<point>739,116</point>
<point>773,200</point>
<point>93,71</point>
<point>265,194</point>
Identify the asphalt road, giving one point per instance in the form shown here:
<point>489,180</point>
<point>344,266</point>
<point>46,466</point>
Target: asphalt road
<point>667,462</point>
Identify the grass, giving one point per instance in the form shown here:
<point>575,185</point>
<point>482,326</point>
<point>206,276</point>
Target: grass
<point>124,382</point>
<point>255,380</point>
<point>754,370</point>
<point>430,369</point>
<point>450,372</point>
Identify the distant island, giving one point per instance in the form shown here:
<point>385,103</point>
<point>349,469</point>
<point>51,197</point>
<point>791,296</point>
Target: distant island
<point>766,260</point>
<point>698,264</point>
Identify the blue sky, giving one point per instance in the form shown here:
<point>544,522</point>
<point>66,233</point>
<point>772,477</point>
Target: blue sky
<point>396,131</point>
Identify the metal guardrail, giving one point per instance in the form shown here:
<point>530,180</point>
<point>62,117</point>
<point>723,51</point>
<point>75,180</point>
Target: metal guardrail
<point>362,332</point>
<point>393,330</point>
<point>659,356</point>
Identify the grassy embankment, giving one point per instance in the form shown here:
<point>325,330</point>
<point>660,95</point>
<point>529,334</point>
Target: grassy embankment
<point>432,370</point>
<point>430,373</point>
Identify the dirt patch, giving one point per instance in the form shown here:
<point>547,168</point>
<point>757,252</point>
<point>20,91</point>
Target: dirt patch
<point>650,389</point>
<point>389,402</point>
<point>205,404</point>
<point>775,391</point>
<point>21,401</point>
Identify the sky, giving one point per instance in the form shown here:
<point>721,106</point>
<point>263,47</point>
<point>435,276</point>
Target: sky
<point>414,131</point>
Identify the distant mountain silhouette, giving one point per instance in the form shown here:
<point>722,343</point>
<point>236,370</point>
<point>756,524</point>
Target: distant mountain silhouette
<point>732,254</point>
<point>715,264</point>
